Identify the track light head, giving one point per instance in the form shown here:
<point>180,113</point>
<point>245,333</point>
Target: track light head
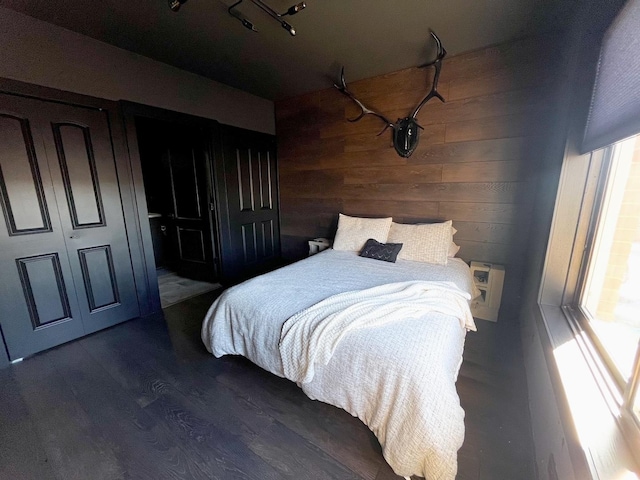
<point>248,25</point>
<point>296,8</point>
<point>289,28</point>
<point>175,5</point>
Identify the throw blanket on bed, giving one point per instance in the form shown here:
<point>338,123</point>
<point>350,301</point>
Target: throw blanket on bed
<point>310,337</point>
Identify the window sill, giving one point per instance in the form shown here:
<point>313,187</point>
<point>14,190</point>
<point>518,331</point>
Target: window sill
<point>592,407</point>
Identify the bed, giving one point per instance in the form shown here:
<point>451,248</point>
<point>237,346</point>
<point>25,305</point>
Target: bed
<point>398,377</point>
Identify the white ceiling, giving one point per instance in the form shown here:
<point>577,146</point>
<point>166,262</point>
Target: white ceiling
<point>369,37</point>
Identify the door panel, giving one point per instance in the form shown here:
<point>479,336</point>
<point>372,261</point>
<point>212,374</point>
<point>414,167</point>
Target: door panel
<point>23,202</point>
<point>78,141</point>
<point>39,307</point>
<point>44,289</point>
<point>249,244</point>
<point>185,183</point>
<point>191,245</point>
<point>267,182</point>
<point>79,174</point>
<point>99,277</point>
<point>268,238</point>
<point>64,259</point>
<point>251,183</point>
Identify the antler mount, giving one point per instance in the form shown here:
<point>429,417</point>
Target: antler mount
<point>406,131</point>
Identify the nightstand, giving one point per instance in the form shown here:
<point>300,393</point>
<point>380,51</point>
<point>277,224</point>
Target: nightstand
<point>317,245</point>
<point>489,279</point>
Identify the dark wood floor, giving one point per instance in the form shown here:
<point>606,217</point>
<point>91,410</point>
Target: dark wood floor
<point>143,401</point>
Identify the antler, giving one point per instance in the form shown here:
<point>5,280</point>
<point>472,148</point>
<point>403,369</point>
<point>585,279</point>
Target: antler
<point>437,63</point>
<point>365,110</point>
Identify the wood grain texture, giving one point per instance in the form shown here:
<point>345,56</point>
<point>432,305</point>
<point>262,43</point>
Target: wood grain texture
<point>475,163</point>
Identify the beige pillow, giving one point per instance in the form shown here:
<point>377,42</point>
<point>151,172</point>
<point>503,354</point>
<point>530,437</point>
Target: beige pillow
<point>353,232</point>
<point>453,248</point>
<point>422,243</point>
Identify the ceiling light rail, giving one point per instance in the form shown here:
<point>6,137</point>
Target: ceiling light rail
<point>175,5</point>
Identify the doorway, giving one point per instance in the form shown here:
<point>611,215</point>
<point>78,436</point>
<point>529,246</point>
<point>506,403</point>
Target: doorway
<point>177,173</point>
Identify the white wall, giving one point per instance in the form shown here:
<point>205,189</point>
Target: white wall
<point>37,52</point>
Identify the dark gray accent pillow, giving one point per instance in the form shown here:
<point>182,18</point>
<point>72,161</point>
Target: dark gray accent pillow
<point>387,252</point>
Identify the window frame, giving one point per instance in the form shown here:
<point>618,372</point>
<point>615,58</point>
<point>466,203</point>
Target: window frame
<point>618,392</point>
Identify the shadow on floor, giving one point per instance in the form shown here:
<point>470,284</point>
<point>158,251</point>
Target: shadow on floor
<point>184,321</point>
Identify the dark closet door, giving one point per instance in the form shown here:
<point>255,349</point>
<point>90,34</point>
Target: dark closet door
<point>38,303</point>
<point>65,268</point>
<point>251,177</point>
<point>82,164</point>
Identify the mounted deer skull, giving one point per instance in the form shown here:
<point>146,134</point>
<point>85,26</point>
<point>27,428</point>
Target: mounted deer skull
<point>406,131</point>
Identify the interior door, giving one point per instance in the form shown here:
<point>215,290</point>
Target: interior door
<point>250,173</point>
<point>38,303</point>
<point>176,164</point>
<point>65,266</point>
<point>191,207</point>
<point>82,165</point>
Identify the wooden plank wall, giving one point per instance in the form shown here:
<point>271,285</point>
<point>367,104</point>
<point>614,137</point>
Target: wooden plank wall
<point>475,163</point>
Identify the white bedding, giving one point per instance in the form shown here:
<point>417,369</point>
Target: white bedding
<point>398,377</point>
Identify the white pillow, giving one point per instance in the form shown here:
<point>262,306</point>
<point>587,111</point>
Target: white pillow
<point>353,232</point>
<point>422,243</point>
<point>453,248</point>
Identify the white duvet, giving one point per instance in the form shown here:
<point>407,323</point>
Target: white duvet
<point>397,376</point>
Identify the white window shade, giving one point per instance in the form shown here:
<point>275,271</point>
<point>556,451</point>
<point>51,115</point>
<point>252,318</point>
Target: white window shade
<point>615,105</point>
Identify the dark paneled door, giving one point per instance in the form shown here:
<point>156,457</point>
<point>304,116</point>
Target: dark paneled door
<point>65,266</point>
<point>250,174</point>
<point>176,165</point>
<point>191,207</point>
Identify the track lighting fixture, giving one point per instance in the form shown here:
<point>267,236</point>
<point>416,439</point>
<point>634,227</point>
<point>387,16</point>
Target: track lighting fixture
<point>175,5</point>
<point>278,16</point>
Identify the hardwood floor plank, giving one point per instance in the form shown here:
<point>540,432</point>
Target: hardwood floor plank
<point>21,451</point>
<point>479,212</point>
<point>430,173</point>
<point>496,403</point>
<point>146,449</point>
<point>229,453</point>
<point>386,208</point>
<point>336,432</point>
<point>305,459</point>
<point>204,416</point>
<point>493,150</point>
<point>74,446</point>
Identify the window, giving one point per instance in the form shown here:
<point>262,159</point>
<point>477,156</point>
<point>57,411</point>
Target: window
<point>607,302</point>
